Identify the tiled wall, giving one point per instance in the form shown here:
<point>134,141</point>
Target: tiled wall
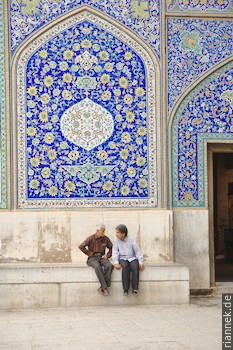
<point>110,62</point>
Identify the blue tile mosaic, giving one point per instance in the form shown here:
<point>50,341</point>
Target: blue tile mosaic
<point>199,5</point>
<point>195,46</point>
<point>205,114</point>
<point>88,118</point>
<point>142,17</point>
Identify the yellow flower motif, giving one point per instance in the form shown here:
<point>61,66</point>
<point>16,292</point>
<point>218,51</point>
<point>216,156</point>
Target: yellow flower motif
<point>125,137</point>
<point>128,99</point>
<point>108,66</point>
<point>117,92</point>
<point>43,116</point>
<point>31,131</point>
<point>67,78</point>
<point>70,186</point>
<point>124,153</point>
<point>123,82</point>
<point>130,117</point>
<point>30,7</point>
<point>68,55</point>
<point>131,172</point>
<point>139,141</point>
<point>107,186</point>
<point>52,154</point>
<point>188,197</point>
<point>43,53</point>
<point>105,78</point>
<point>128,55</point>
<point>53,190</point>
<point>102,155</point>
<point>34,184</point>
<point>87,30</point>
<point>104,55</point>
<point>76,47</point>
<point>86,44</point>
<point>142,131</point>
<point>49,137</point>
<point>32,91</point>
<point>66,95</point>
<point>35,161</point>
<point>46,172</point>
<point>31,104</point>
<point>112,145</point>
<point>140,161</point>
<point>63,145</point>
<point>139,92</point>
<point>125,190</point>
<point>48,80</point>
<point>45,98</point>
<point>63,65</point>
<point>142,183</point>
<point>73,155</point>
<point>106,95</point>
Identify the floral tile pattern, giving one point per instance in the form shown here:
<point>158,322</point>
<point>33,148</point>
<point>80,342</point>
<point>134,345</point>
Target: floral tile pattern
<point>142,17</point>
<point>206,114</point>
<point>194,46</point>
<point>88,135</point>
<point>199,5</point>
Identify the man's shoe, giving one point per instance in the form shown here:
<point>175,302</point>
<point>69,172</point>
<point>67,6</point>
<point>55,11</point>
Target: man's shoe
<point>105,292</point>
<point>125,293</point>
<point>100,290</point>
<point>135,292</point>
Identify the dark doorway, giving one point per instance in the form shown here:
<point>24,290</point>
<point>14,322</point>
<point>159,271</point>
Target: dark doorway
<point>223,216</point>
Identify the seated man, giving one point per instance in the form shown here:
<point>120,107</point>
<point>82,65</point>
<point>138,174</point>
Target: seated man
<point>98,258</point>
<point>127,254</point>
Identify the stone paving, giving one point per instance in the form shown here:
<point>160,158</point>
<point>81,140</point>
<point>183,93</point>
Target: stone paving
<point>196,326</point>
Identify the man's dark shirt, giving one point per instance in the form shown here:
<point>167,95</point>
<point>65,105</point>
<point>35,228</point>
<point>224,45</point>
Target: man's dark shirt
<point>96,245</point>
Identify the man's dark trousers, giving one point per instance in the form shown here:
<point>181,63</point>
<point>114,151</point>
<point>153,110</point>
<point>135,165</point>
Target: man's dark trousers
<point>127,268</point>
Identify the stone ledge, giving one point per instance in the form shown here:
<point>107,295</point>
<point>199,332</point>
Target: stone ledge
<point>71,285</point>
<point>69,273</point>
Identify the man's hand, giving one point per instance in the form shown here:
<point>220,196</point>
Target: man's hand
<point>141,267</point>
<point>104,257</point>
<point>117,266</point>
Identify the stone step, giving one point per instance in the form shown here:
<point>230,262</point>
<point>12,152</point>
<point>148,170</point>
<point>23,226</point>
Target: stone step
<point>34,285</point>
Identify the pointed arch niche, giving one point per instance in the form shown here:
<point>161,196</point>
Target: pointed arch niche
<point>203,116</point>
<point>86,118</point>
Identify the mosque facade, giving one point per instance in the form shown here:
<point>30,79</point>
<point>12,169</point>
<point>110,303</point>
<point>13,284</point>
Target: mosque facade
<point>115,112</point>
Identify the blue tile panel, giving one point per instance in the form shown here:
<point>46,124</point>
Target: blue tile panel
<point>88,120</point>
<point>195,46</point>
<point>199,5</point>
<point>206,114</point>
<point>142,17</point>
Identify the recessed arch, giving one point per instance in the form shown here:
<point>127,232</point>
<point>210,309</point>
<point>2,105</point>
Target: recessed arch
<point>203,136</point>
<point>21,113</point>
